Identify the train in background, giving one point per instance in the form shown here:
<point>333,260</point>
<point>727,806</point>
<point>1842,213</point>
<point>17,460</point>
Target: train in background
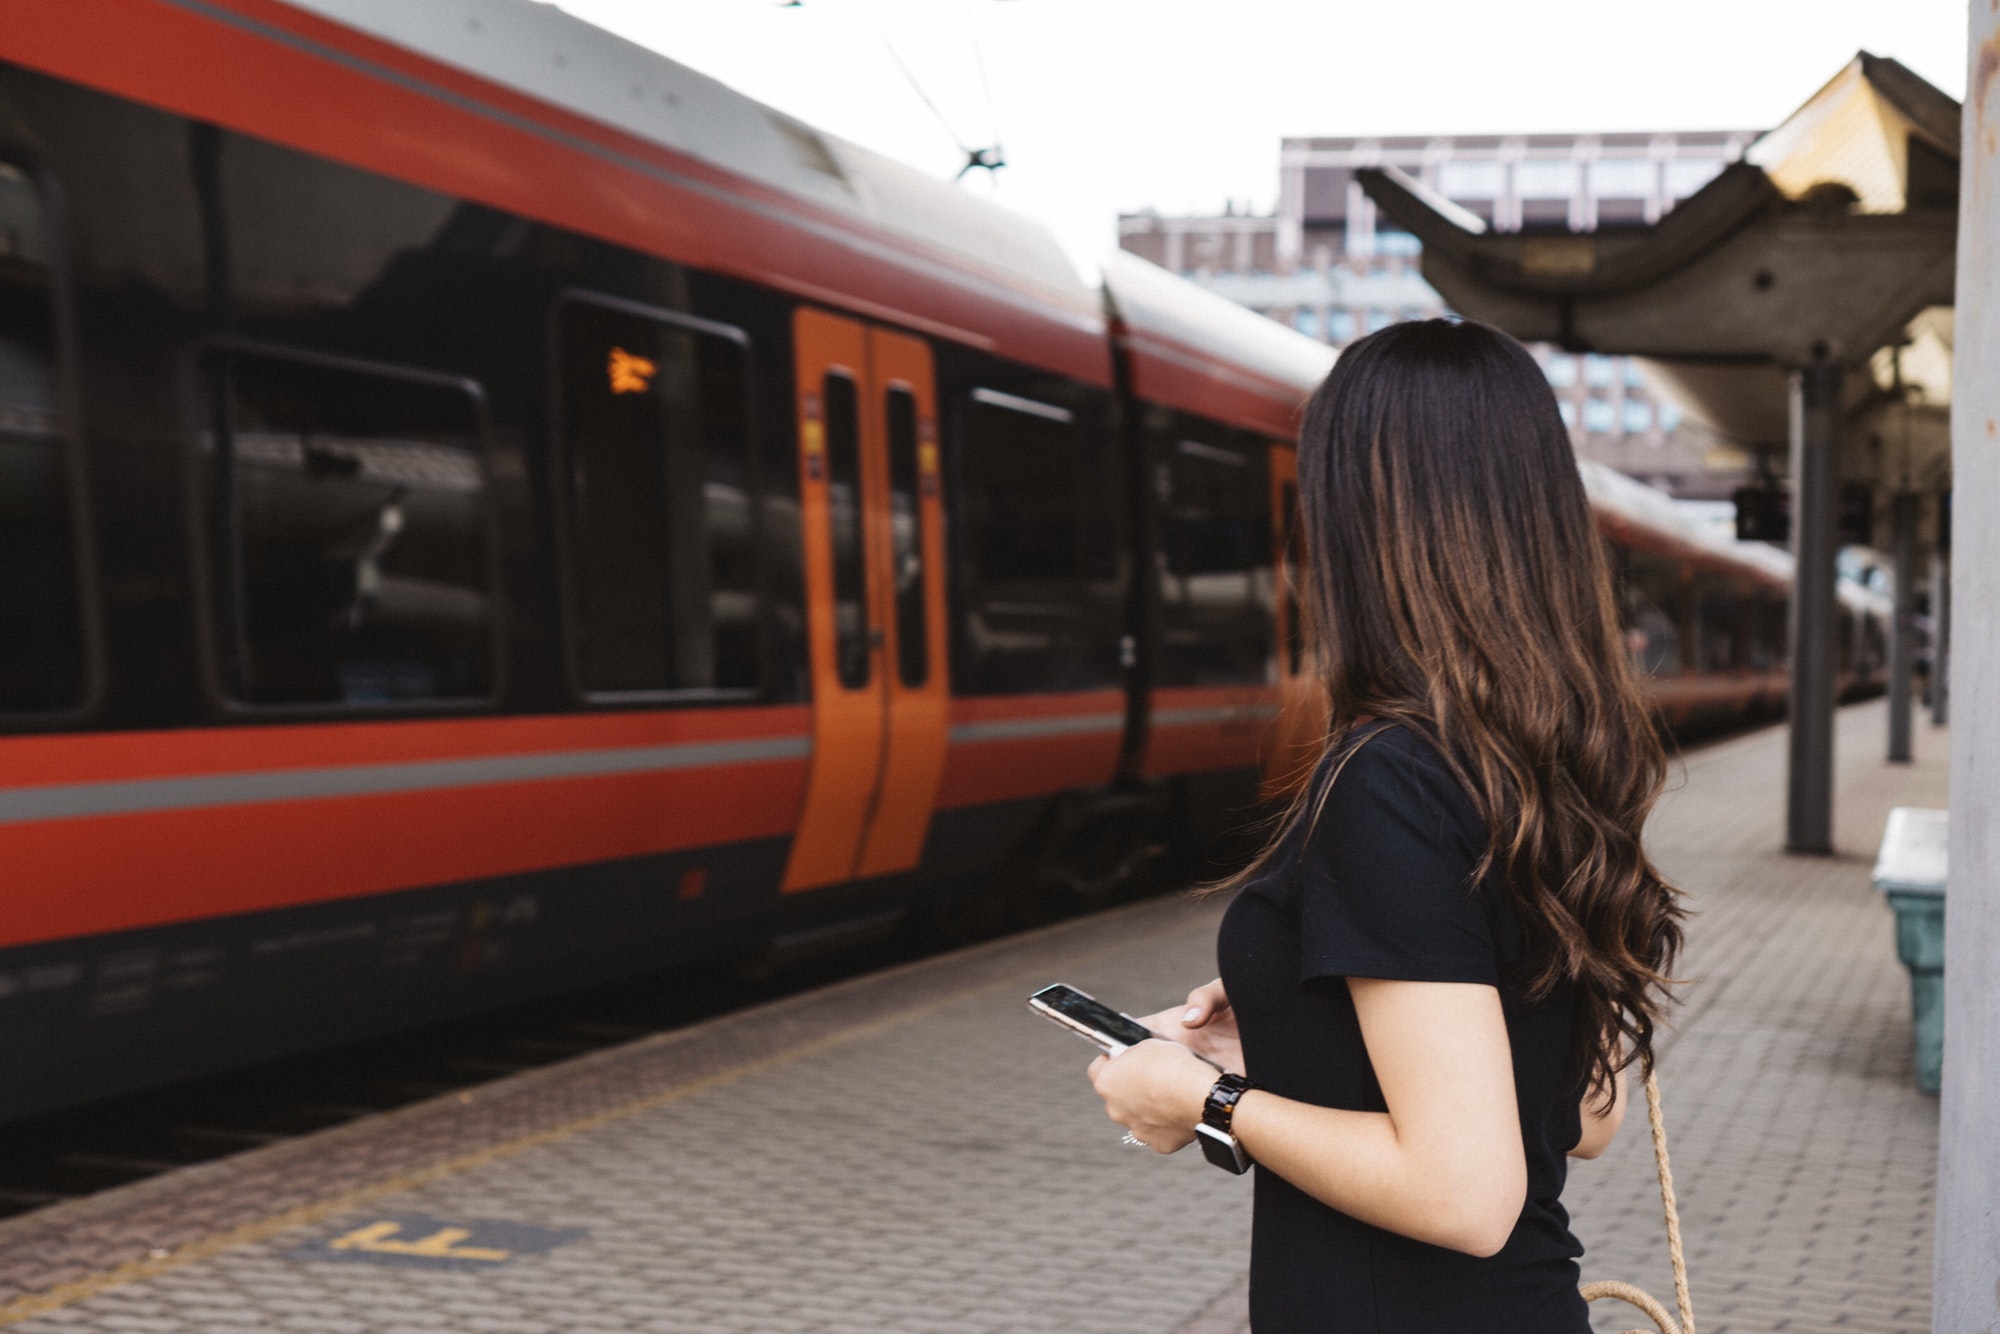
<point>486,510</point>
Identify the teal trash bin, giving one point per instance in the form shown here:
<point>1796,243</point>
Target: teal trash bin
<point>1910,872</point>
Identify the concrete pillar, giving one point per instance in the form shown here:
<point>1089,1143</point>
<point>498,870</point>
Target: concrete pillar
<point>1903,628</point>
<point>1966,1250</point>
<point>1815,450</point>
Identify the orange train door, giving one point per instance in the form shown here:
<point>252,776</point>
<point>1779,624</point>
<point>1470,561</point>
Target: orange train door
<point>871,525</point>
<point>1301,722</point>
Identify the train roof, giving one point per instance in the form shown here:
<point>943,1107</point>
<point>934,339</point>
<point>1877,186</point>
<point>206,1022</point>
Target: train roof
<point>933,227</point>
<point>1633,505</point>
<point>1191,349</point>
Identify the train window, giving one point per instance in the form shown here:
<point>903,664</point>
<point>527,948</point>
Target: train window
<point>906,537</point>
<point>1652,599</point>
<point>656,443</point>
<point>1215,559</point>
<point>1040,536</point>
<point>1767,633</point>
<point>1292,580</point>
<point>1874,644</point>
<point>843,503</point>
<point>1026,488</point>
<point>1719,612</point>
<point>42,661</point>
<point>351,530</point>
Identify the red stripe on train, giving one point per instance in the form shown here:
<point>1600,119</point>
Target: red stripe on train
<point>95,757</point>
<point>979,772</point>
<point>1232,730</point>
<point>80,877</point>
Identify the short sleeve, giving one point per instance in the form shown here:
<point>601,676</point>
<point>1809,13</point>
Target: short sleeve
<point>1386,888</point>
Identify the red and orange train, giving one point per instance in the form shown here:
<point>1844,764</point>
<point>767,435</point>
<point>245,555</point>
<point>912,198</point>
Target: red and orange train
<point>484,509</point>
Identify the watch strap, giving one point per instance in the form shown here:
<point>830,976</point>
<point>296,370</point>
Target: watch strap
<point>1219,1111</point>
<point>1216,1133</point>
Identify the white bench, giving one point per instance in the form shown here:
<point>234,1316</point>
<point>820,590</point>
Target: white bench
<point>1910,870</point>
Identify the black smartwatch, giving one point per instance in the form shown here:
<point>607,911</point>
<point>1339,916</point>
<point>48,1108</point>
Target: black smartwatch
<point>1218,1141</point>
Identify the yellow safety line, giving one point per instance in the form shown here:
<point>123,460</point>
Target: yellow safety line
<point>68,1294</point>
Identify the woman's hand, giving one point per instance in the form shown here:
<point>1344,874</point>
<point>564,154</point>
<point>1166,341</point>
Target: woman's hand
<point>1206,1025</point>
<point>1156,1091</point>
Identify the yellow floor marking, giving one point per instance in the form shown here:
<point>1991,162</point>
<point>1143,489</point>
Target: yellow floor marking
<point>246,1234</point>
<point>439,1245</point>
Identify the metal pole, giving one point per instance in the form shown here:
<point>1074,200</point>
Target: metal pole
<point>1815,446</point>
<point>1965,1291</point>
<point>1940,636</point>
<point>1903,629</point>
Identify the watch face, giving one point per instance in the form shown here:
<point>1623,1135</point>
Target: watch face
<point>1222,1150</point>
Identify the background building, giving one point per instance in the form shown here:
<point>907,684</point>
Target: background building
<point>1327,265</point>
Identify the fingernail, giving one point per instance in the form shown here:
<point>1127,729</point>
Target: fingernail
<point>1192,1015</point>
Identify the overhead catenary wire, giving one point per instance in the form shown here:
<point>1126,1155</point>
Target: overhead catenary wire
<point>985,89</point>
<point>990,158</point>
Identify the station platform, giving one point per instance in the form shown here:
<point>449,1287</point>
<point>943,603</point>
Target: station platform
<point>914,1151</point>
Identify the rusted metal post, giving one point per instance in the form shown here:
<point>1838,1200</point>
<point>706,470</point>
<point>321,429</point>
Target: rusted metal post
<point>1815,449</point>
<point>1903,629</point>
<point>1966,1245</point>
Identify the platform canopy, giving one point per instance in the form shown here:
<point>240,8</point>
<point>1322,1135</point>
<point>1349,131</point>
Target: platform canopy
<point>1800,299</point>
<point>1826,241</point>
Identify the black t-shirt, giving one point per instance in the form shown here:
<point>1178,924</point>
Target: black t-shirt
<point>1381,888</point>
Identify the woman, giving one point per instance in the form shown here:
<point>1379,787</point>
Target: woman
<point>1437,973</point>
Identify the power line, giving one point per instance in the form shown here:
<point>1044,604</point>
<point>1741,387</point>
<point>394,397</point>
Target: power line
<point>989,158</point>
<point>986,89</point>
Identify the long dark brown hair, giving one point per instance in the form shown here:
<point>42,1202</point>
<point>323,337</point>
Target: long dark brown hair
<point>1457,587</point>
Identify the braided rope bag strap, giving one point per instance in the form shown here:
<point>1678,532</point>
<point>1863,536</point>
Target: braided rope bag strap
<point>1638,1297</point>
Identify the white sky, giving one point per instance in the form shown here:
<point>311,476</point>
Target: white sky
<point>1106,106</point>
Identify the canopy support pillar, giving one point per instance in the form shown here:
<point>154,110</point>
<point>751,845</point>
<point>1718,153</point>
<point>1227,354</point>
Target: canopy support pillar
<point>1903,628</point>
<point>1815,424</point>
<point>1940,681</point>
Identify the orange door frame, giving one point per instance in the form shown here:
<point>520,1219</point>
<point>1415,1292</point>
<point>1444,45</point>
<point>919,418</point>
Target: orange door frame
<point>878,745</point>
<point>918,722</point>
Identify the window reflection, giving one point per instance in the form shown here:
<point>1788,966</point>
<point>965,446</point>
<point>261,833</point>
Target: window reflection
<point>352,530</point>
<point>41,622</point>
<point>655,432</point>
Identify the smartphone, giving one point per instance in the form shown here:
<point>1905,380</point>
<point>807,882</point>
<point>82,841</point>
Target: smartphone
<point>1090,1019</point>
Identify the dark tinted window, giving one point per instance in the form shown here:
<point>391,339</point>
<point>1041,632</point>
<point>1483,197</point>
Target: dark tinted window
<point>1039,515</point>
<point>843,500</point>
<point>41,622</point>
<point>1874,643</point>
<point>351,531</point>
<point>1214,558</point>
<point>906,537</point>
<point>1718,610</point>
<point>1767,630</point>
<point>1291,582</point>
<point>1651,600</point>
<point>656,437</point>
<point>1026,477</point>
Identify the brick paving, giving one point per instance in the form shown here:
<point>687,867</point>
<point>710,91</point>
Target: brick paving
<point>1804,1157</point>
<point>914,1152</point>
